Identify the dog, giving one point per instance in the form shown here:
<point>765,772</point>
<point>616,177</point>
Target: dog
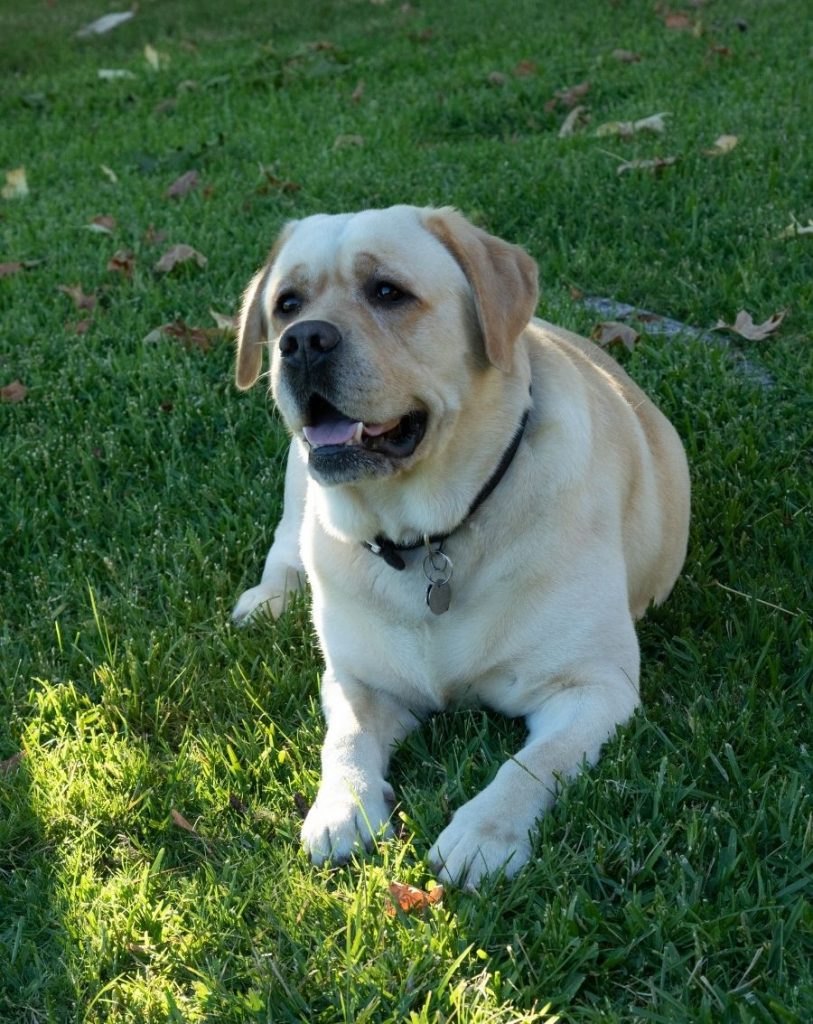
<point>482,503</point>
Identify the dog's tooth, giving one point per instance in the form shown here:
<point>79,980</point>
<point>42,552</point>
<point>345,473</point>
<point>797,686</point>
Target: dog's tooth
<point>358,433</point>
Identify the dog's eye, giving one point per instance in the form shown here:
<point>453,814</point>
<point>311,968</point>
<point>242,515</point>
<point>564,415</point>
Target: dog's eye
<point>387,292</point>
<point>288,303</point>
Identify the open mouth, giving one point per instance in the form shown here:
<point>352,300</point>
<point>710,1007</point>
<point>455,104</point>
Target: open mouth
<point>328,428</point>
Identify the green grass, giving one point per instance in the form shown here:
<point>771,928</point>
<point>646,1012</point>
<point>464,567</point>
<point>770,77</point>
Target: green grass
<point>140,491</point>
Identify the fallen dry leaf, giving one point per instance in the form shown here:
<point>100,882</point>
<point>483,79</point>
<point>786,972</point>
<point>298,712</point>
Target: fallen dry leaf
<point>183,185</point>
<point>153,58</point>
<point>612,332</point>
<point>105,24</point>
<point>80,327</point>
<point>272,182</point>
<point>627,56</point>
<point>227,324</point>
<point>576,294</point>
<point>525,69</point>
<point>568,97</point>
<point>341,141</point>
<point>746,328</point>
<point>178,254</point>
<point>656,165</point>
<point>577,116</point>
<point>122,262</point>
<point>7,269</point>
<point>795,228</point>
<point>722,144</point>
<point>14,392</point>
<point>358,92</point>
<point>678,21</point>
<point>16,186</point>
<point>191,337</point>
<point>626,129</point>
<point>412,900</point>
<point>153,237</point>
<point>11,763</point>
<point>103,225</point>
<point>114,74</point>
<point>80,300</point>
<point>720,51</point>
<point>179,820</point>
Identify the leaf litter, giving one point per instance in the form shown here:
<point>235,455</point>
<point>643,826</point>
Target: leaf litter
<point>177,255</point>
<point>626,129</point>
<point>746,328</point>
<point>411,900</point>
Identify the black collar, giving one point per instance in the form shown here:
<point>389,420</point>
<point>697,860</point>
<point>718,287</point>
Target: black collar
<point>388,549</point>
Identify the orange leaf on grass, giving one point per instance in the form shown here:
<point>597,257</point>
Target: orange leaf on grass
<point>411,900</point>
<point>179,820</point>
<point>122,262</point>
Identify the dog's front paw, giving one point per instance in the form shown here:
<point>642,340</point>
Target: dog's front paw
<point>271,595</point>
<point>475,844</point>
<point>341,822</point>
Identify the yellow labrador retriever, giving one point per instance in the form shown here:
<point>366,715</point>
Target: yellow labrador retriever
<point>483,504</point>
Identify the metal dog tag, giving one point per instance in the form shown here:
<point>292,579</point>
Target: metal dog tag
<point>438,569</point>
<point>438,597</point>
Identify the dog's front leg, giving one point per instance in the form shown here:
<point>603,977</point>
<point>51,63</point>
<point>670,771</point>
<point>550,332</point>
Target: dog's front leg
<point>491,831</point>
<point>354,799</point>
<point>283,573</point>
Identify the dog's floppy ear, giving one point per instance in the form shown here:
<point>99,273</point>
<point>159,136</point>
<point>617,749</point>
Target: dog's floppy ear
<point>503,278</point>
<point>252,328</point>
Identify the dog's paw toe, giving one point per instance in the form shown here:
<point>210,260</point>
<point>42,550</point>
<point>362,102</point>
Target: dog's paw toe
<point>338,825</point>
<point>270,597</point>
<point>465,852</point>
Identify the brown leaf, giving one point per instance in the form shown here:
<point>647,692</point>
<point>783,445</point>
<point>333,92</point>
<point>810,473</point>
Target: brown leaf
<point>627,56</point>
<point>656,165</point>
<point>722,144</point>
<point>177,254</point>
<point>568,97</point>
<point>225,323</point>
<point>181,186</point>
<point>153,237</point>
<point>525,69</point>
<point>721,51</point>
<point>192,337</point>
<point>576,294</point>
<point>412,900</point>
<point>103,225</point>
<point>341,141</point>
<point>80,300</point>
<point>122,262</point>
<point>14,392</point>
<point>358,92</point>
<point>678,21</point>
<point>611,332</point>
<point>237,804</point>
<point>746,328</point>
<point>7,269</point>
<point>179,820</point>
<point>81,326</point>
<point>275,183</point>
<point>577,116</point>
<point>8,766</point>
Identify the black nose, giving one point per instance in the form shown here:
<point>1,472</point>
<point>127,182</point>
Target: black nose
<point>307,342</point>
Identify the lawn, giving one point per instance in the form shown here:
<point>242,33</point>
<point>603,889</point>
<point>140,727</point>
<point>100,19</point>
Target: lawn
<point>156,761</point>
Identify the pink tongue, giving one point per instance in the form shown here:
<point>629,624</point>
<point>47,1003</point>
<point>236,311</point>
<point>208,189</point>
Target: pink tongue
<point>338,431</point>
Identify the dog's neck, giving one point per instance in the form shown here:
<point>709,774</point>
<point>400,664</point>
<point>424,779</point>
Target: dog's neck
<point>435,496</point>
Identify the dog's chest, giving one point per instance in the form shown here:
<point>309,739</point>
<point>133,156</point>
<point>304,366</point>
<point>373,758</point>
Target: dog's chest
<point>375,623</point>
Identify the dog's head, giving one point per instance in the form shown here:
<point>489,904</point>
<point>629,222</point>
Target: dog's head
<point>379,323</point>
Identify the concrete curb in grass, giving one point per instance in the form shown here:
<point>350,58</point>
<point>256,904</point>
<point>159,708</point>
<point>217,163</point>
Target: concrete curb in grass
<point>655,324</point>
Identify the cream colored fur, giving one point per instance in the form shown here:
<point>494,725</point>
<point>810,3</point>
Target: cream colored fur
<point>585,530</point>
